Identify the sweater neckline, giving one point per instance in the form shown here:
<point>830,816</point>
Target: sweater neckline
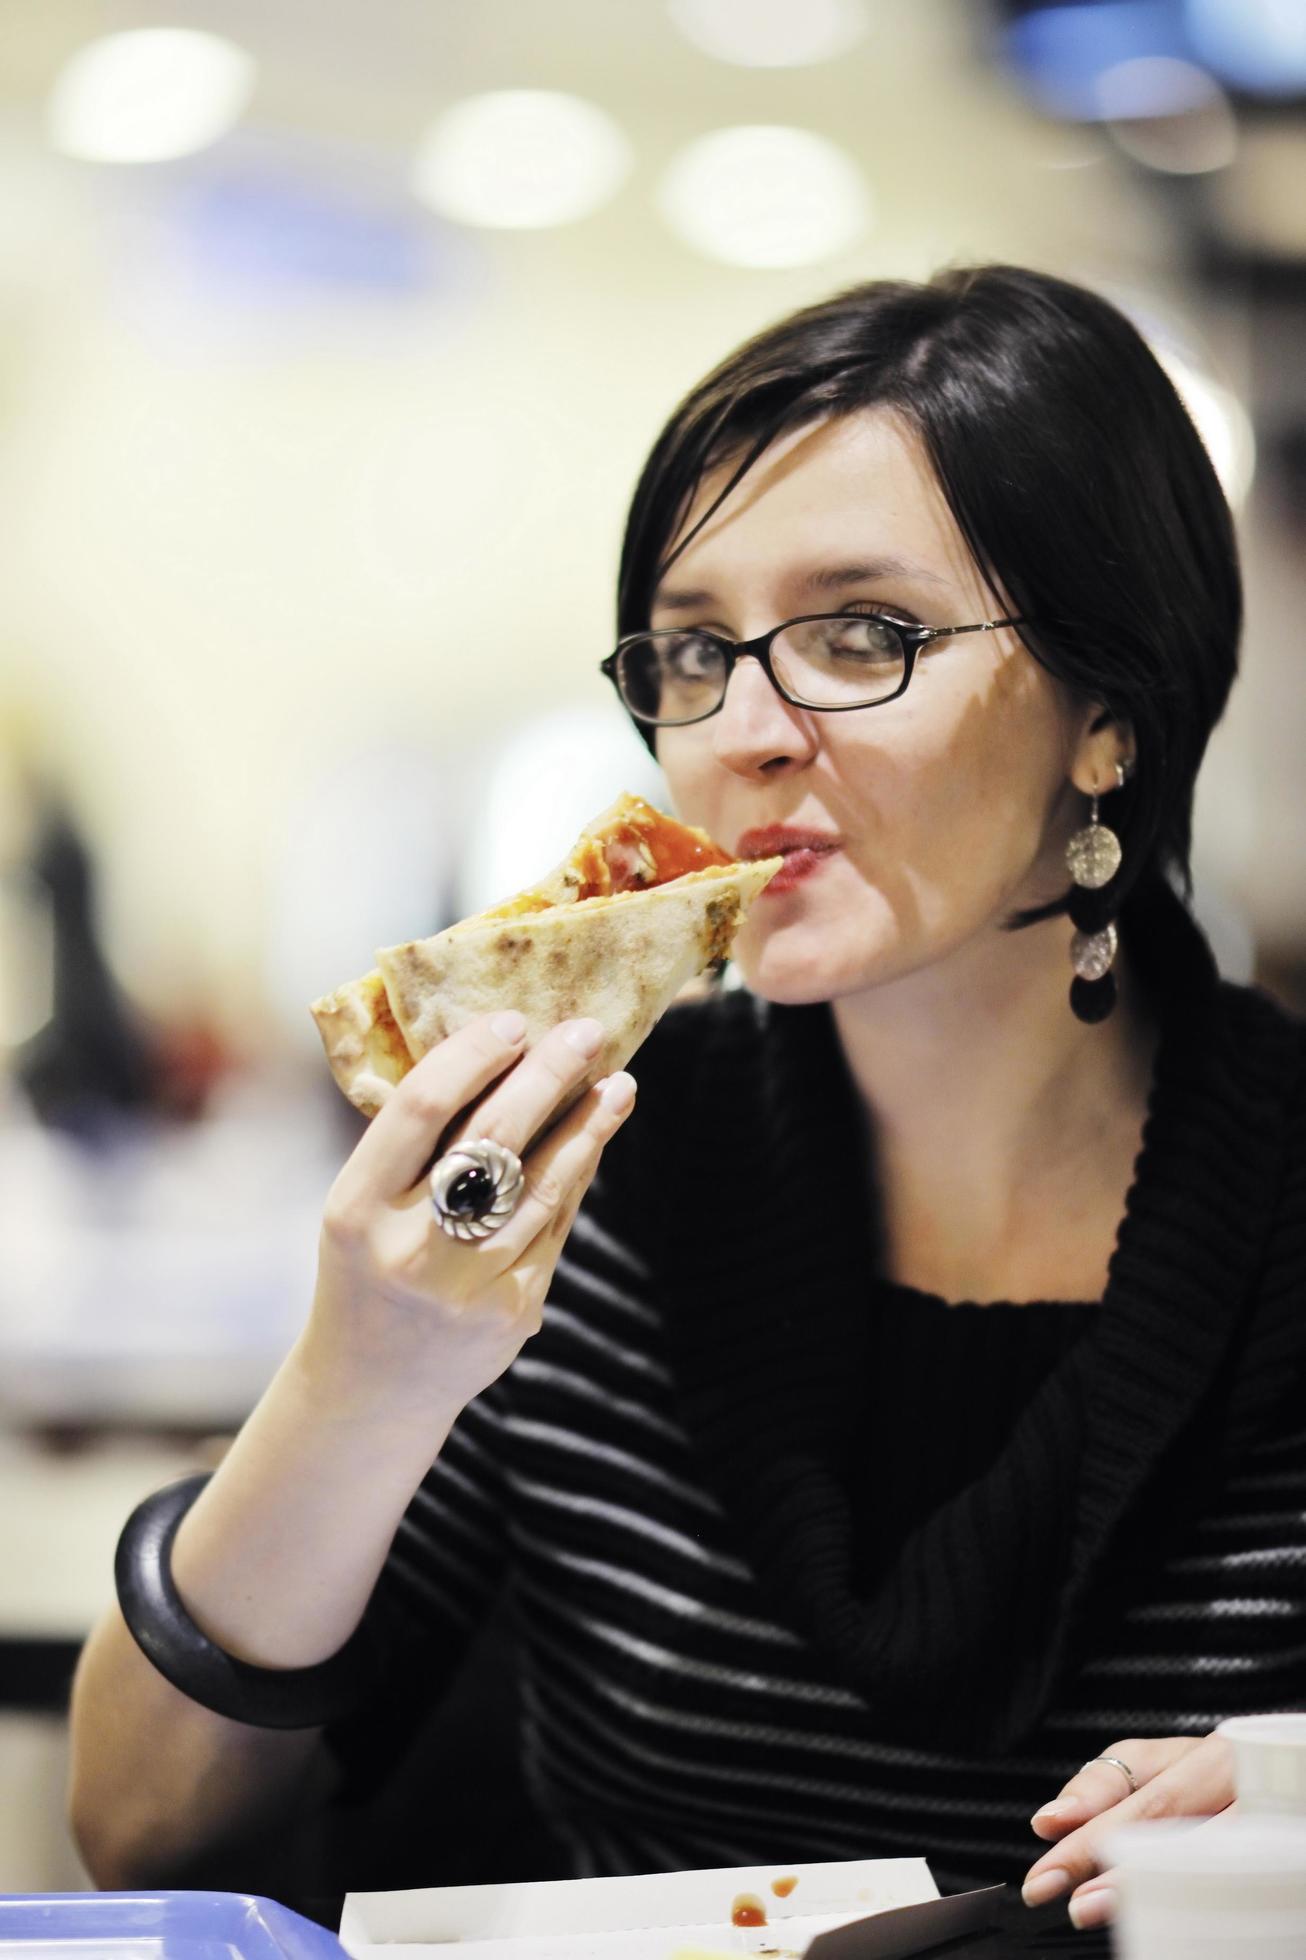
<point>782,1358</point>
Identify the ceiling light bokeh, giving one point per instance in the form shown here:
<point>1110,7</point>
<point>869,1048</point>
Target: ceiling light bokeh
<point>520,160</point>
<point>765,195</point>
<point>149,95</point>
<point>770,33</point>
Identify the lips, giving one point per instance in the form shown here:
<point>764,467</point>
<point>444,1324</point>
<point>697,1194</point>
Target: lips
<point>780,840</point>
<point>803,851</point>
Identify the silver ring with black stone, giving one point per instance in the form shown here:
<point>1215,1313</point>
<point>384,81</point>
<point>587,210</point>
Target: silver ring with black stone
<point>475,1188</point>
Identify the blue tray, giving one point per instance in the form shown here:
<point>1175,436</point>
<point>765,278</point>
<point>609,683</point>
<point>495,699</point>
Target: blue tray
<point>157,1926</point>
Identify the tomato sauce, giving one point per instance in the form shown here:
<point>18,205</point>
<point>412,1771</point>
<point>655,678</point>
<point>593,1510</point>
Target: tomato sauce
<point>748,1910</point>
<point>676,848</point>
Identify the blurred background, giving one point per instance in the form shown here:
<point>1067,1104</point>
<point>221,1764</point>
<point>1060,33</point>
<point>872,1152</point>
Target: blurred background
<point>332,338</point>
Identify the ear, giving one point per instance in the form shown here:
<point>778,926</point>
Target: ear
<point>1100,745</point>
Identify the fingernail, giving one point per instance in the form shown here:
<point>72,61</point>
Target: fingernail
<point>1093,1909</point>
<point>1053,1810</point>
<point>586,1037</point>
<point>618,1093</point>
<point>509,1026</point>
<point>1048,1885</point>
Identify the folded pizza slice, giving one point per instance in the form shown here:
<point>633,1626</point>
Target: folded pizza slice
<point>640,905</point>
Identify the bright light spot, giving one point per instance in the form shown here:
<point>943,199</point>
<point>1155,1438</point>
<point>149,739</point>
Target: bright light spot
<point>1258,45</point>
<point>1168,114</point>
<point>147,95</point>
<point>762,195</point>
<point>771,33</point>
<point>520,159</point>
<point>538,789</point>
<point>1221,421</point>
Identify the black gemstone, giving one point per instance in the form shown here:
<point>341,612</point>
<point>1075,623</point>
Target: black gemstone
<point>1093,1000</point>
<point>471,1194</point>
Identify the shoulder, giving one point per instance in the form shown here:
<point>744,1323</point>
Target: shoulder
<point>1248,1116</point>
<point>1260,1046</point>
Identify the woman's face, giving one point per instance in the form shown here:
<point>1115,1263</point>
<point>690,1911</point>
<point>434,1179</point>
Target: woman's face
<point>949,807</point>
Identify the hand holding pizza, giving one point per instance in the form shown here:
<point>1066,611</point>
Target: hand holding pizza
<point>403,1312</point>
<point>407,1318</point>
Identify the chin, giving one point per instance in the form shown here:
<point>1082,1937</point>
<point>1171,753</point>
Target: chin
<point>794,975</point>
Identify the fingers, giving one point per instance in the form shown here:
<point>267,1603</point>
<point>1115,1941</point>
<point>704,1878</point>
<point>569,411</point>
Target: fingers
<point>1094,1903</point>
<point>397,1145</point>
<point>558,1171</point>
<point>519,1106</point>
<point>1185,1777</point>
<point>396,1150</point>
<point>1100,1785</point>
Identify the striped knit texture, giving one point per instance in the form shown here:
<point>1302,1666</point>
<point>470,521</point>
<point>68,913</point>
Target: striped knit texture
<point>661,1476</point>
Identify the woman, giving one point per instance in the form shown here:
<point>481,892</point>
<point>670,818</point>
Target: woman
<point>916,1409</point>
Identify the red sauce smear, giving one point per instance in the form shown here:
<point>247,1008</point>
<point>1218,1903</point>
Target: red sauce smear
<point>748,1915</point>
<point>782,1887</point>
<point>676,850</point>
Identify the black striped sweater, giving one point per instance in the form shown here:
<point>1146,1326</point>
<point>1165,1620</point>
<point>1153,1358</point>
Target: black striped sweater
<point>668,1476</point>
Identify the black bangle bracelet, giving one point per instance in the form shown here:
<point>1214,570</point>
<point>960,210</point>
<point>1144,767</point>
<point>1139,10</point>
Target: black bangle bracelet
<point>264,1697</point>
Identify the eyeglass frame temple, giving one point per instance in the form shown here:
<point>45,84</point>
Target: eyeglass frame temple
<point>913,639</point>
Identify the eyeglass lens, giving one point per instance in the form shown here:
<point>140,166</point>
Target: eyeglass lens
<point>846,662</point>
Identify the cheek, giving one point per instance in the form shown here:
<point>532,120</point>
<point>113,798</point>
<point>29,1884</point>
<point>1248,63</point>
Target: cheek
<point>953,803</point>
<point>694,780</point>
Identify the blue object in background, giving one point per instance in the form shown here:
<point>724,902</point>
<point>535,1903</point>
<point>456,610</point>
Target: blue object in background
<point>1060,49</point>
<point>1258,46</point>
<point>157,1926</point>
<point>1060,52</point>
<point>268,229</point>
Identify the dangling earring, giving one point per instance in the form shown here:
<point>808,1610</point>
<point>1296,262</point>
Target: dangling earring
<point>1093,858</point>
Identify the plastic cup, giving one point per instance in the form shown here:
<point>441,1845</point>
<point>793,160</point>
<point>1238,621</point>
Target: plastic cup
<point>1269,1764</point>
<point>1215,1891</point>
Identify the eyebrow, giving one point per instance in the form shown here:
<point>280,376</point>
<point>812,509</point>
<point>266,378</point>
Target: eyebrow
<point>828,578</point>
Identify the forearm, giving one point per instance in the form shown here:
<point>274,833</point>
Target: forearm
<point>277,1558</point>
<point>155,1779</point>
<point>275,1562</point>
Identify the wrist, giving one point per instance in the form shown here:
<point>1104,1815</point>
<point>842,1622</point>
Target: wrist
<point>346,1384</point>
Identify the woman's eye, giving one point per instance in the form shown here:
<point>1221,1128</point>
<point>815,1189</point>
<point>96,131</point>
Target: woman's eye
<point>690,658</point>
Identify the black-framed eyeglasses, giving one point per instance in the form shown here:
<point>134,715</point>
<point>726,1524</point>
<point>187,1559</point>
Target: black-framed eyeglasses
<point>827,661</point>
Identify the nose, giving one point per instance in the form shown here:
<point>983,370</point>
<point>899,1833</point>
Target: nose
<point>756,731</point>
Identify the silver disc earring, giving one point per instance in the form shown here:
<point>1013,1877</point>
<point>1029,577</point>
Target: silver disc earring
<point>1093,857</point>
<point>1093,854</point>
